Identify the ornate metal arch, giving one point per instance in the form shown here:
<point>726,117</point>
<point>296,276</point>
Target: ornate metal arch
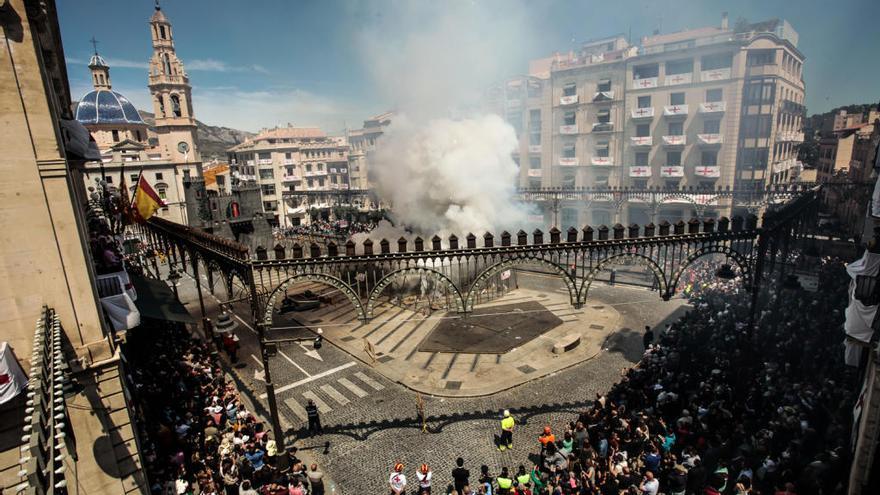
<point>386,280</point>
<point>640,258</point>
<point>667,198</point>
<point>228,276</point>
<point>493,270</point>
<point>325,278</point>
<point>741,261</point>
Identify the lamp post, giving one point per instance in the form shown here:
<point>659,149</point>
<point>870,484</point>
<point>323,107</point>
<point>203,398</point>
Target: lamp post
<point>269,348</point>
<point>173,277</point>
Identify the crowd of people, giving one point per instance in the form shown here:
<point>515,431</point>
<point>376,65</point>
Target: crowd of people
<point>198,437</point>
<point>712,408</point>
<point>340,228</point>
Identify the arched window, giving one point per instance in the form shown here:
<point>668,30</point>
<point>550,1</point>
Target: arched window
<point>166,61</point>
<point>161,105</point>
<point>175,105</point>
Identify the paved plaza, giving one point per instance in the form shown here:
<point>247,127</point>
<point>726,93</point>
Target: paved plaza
<point>369,410</point>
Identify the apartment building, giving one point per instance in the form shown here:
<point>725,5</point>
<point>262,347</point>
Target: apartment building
<point>290,159</point>
<point>703,108</point>
<point>362,144</point>
<point>849,152</point>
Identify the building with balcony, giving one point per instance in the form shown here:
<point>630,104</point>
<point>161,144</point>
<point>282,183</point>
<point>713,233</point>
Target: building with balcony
<point>703,108</point>
<point>849,152</point>
<point>362,144</point>
<point>289,159</point>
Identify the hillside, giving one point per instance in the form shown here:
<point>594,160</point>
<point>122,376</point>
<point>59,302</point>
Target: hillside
<point>213,140</point>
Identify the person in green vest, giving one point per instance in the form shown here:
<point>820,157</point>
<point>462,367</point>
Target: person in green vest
<point>504,482</point>
<point>522,477</point>
<point>507,424</point>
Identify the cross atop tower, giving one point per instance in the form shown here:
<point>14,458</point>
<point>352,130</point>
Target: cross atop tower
<point>94,44</point>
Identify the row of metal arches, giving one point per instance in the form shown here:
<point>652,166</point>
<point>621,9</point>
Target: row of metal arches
<point>465,302</point>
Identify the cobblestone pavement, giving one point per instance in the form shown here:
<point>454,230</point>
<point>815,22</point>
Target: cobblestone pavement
<point>364,437</point>
<point>370,422</point>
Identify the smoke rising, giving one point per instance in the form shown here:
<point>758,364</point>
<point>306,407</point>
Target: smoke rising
<point>445,164</point>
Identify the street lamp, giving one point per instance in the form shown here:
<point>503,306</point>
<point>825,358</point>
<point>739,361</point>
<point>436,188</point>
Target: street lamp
<point>269,348</point>
<point>173,277</point>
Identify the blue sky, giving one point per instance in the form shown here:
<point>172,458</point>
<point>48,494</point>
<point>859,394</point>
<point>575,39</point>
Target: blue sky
<point>261,63</point>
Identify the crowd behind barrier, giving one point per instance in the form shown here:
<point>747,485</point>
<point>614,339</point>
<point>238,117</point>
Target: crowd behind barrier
<point>339,228</point>
<point>712,408</point>
<point>198,436</point>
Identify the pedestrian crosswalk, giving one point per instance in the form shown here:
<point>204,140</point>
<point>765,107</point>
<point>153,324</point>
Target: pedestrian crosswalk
<point>331,395</point>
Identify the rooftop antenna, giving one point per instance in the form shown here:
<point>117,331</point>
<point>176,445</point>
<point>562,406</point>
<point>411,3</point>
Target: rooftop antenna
<point>94,44</point>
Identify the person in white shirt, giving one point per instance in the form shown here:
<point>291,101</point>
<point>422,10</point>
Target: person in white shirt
<point>424,477</point>
<point>397,480</point>
<point>650,485</point>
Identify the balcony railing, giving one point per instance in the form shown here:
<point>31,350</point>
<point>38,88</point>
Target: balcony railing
<point>715,75</point>
<point>711,171</point>
<point>291,178</point>
<point>713,107</point>
<point>676,79</point>
<point>603,127</point>
<point>568,129</point>
<point>644,83</point>
<point>535,172</point>
<point>314,173</point>
<point>709,138</point>
<point>568,100</point>
<point>675,110</point>
<point>679,140</point>
<point>640,171</point>
<point>601,161</point>
<point>642,140</point>
<point>643,113</point>
<point>603,96</point>
<point>788,136</point>
<point>672,171</point>
<point>568,161</point>
<point>534,148</point>
<point>265,161</point>
<point>250,162</point>
<point>288,161</point>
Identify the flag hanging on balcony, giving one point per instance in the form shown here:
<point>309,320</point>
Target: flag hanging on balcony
<point>145,201</point>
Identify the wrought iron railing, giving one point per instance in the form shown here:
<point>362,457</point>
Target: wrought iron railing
<point>46,430</point>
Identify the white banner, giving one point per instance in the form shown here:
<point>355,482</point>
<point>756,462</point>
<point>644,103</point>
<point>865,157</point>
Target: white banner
<point>12,377</point>
<point>122,312</point>
<point>858,316</point>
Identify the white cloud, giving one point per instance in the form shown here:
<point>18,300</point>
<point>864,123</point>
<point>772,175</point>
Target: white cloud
<point>214,65</point>
<point>253,110</point>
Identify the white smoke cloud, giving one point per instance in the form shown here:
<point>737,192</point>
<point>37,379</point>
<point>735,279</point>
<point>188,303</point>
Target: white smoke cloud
<point>435,60</point>
<point>449,175</point>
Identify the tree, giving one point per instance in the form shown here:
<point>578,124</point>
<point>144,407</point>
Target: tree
<point>808,152</point>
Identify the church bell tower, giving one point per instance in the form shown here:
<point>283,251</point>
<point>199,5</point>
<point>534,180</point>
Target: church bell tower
<point>171,95</point>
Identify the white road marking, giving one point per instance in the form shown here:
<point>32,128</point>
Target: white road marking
<point>297,409</point>
<point>304,372</point>
<point>311,378</point>
<point>351,386</point>
<point>334,394</point>
<point>323,408</point>
<point>369,381</point>
<point>260,362</point>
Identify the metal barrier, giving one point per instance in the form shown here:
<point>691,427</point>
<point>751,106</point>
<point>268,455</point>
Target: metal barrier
<point>44,449</point>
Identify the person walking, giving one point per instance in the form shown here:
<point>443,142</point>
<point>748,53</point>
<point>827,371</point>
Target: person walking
<point>397,480</point>
<point>648,338</point>
<point>314,419</point>
<point>507,424</point>
<point>612,276</point>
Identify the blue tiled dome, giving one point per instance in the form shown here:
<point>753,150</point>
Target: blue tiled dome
<point>103,106</point>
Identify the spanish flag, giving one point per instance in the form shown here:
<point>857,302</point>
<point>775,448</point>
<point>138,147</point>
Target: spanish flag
<point>145,201</point>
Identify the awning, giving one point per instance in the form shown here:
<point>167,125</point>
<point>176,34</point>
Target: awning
<point>156,300</point>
